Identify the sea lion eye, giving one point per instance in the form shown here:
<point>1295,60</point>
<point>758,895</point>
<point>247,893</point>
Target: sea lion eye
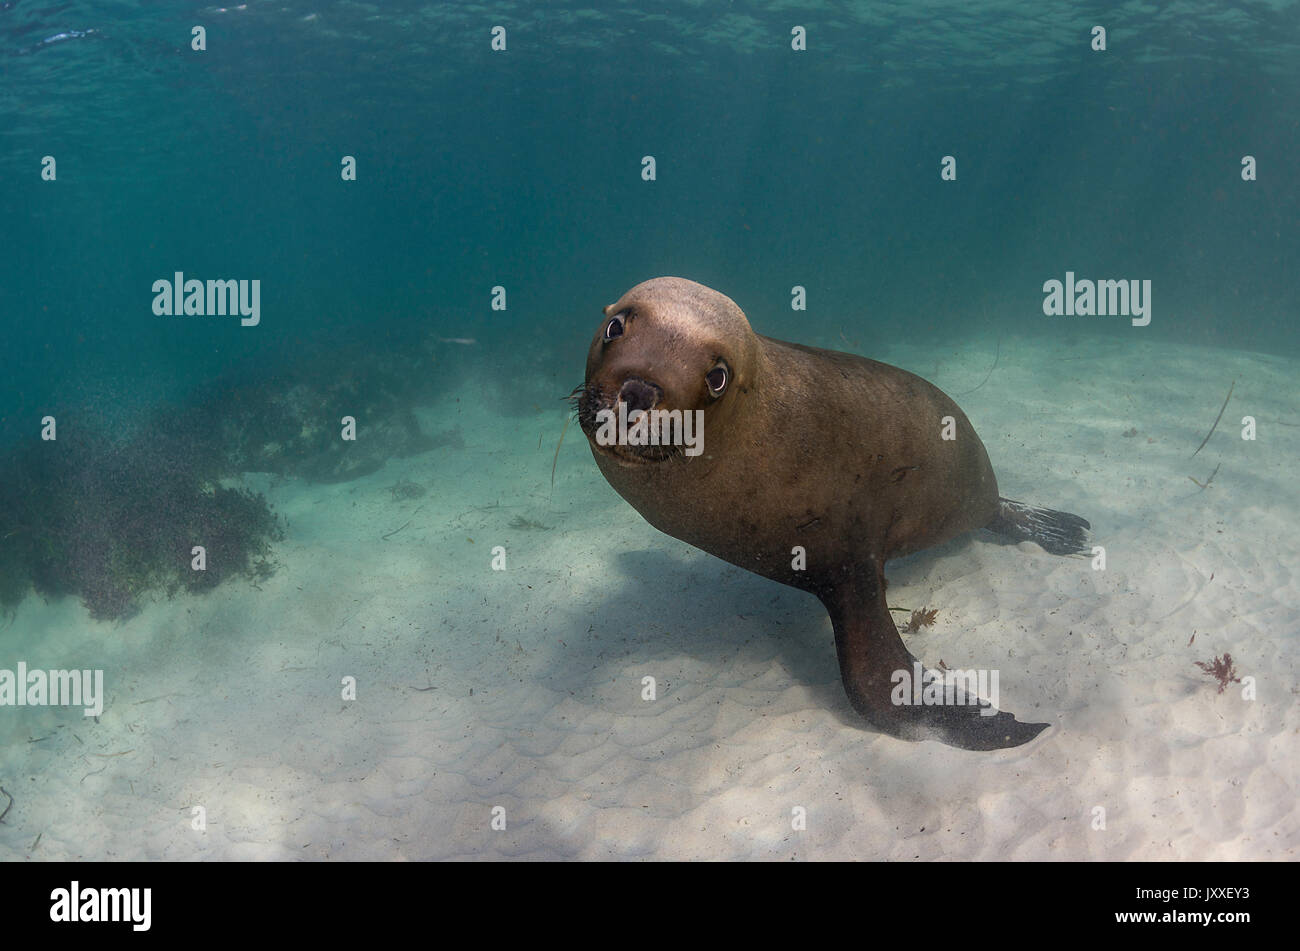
<point>717,379</point>
<point>614,328</point>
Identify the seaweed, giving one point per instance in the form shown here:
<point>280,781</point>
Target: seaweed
<point>111,519</point>
<point>389,535</point>
<point>1221,669</point>
<point>1216,419</point>
<point>405,489</point>
<point>556,459</point>
<point>1206,484</point>
<point>920,618</point>
<point>996,357</point>
<point>111,510</point>
<point>290,426</point>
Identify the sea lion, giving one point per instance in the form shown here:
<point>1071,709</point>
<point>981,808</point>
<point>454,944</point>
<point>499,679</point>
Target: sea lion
<point>833,453</point>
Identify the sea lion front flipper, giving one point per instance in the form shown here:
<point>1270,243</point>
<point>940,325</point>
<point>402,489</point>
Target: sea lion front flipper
<point>871,652</point>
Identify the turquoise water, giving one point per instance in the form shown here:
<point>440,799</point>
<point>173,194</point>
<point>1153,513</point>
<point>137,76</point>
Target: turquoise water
<point>522,169</point>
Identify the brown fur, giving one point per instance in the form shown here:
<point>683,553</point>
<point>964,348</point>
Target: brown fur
<point>805,447</point>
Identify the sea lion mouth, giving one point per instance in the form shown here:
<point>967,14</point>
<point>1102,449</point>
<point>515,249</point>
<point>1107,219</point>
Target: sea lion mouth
<point>640,455</point>
<point>588,399</point>
<point>637,455</point>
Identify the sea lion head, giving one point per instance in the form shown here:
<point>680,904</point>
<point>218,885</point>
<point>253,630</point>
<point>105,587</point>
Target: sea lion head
<point>668,344</point>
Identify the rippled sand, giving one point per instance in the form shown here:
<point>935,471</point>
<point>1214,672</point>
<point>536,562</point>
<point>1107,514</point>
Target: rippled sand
<point>522,689</point>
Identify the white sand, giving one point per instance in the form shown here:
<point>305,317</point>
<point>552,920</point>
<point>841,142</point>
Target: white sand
<point>232,701</point>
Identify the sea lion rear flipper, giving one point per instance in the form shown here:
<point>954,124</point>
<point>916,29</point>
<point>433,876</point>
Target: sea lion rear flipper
<point>1060,533</point>
<point>873,661</point>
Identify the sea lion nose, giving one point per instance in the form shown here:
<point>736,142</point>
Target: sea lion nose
<point>639,395</point>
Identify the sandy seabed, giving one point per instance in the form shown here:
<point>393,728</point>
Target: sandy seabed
<point>522,689</point>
